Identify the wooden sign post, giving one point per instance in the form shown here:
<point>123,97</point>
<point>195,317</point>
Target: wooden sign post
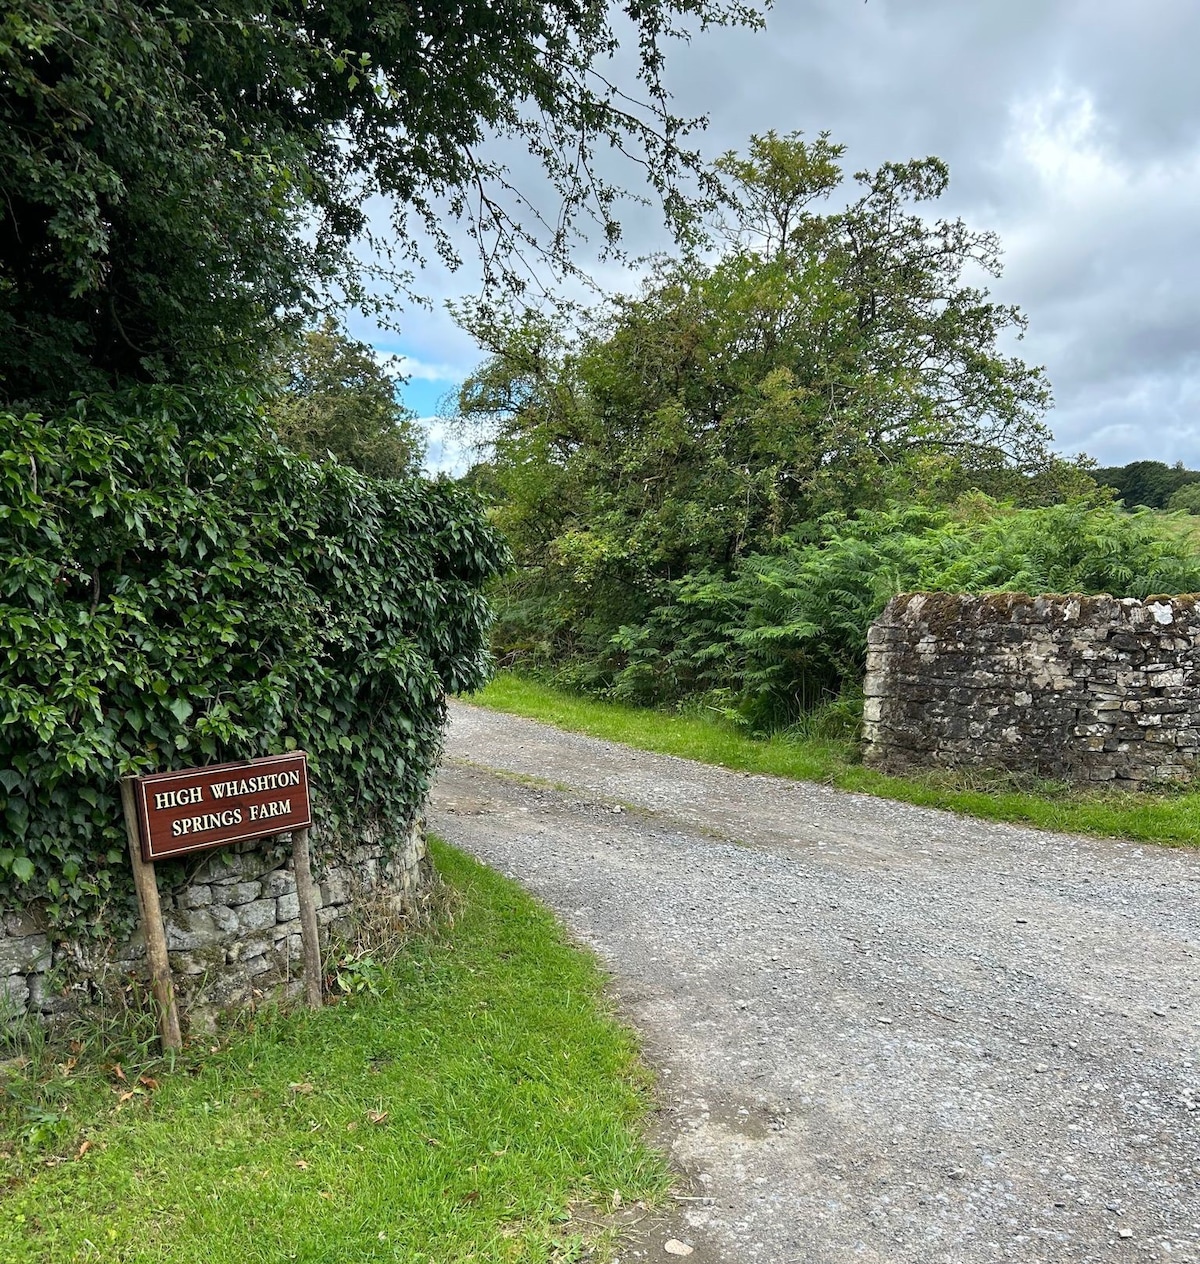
<point>309,937</point>
<point>176,813</point>
<point>146,882</point>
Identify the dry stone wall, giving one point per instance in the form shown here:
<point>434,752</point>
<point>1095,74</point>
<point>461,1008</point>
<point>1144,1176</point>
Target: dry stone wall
<point>1085,689</point>
<point>232,925</point>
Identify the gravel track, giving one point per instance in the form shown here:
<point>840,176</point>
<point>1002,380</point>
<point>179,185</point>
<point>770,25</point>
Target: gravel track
<point>884,1033</point>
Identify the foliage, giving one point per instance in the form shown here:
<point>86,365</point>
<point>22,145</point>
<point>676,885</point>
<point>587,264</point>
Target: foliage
<point>178,180</point>
<point>829,359</point>
<point>789,628</point>
<point>1149,483</point>
<point>335,398</point>
<point>463,1114</point>
<point>1186,499</point>
<point>357,972</point>
<point>179,589</point>
<point>833,358</point>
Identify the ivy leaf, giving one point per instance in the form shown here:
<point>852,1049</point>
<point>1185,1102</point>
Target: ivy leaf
<point>22,868</point>
<point>181,709</point>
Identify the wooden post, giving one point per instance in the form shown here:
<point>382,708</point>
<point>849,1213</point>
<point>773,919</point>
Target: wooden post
<point>309,938</point>
<point>146,882</point>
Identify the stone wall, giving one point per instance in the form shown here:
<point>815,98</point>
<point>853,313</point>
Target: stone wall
<point>1084,689</point>
<point>232,924</point>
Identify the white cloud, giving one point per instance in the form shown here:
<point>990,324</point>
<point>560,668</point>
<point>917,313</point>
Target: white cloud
<point>421,370</point>
<point>1103,256</point>
<point>445,451</point>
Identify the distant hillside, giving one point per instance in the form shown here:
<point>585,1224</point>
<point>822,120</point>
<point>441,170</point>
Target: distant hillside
<point>1149,483</point>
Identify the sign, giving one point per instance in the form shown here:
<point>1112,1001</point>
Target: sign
<point>197,808</point>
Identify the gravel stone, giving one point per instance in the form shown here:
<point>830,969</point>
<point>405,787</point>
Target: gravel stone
<point>756,931</point>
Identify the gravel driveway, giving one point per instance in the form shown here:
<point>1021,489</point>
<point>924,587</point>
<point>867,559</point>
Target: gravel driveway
<point>884,1033</point>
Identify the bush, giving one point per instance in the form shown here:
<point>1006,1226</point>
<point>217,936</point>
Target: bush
<point>181,590</point>
<point>1186,499</point>
<point>788,630</point>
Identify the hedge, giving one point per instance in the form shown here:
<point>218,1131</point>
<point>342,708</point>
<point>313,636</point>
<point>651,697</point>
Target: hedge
<point>178,589</point>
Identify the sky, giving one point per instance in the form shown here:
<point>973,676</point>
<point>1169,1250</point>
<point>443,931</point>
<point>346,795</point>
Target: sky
<point>1071,127</point>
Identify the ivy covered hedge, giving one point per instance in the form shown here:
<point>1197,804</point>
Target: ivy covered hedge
<point>178,589</point>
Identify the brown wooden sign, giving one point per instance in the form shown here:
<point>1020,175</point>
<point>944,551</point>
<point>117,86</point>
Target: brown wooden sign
<point>197,808</point>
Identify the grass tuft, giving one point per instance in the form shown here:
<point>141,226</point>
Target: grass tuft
<point>457,1115</point>
<point>1169,816</point>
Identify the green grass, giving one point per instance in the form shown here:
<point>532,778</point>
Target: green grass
<point>1180,526</point>
<point>1171,817</point>
<point>456,1117</point>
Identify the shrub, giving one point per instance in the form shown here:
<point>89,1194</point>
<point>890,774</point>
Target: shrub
<point>180,590</point>
<point>788,630</point>
<point>1186,499</point>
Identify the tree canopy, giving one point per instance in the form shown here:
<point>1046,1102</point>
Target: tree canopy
<point>336,398</point>
<point>828,358</point>
<point>178,181</point>
<point>835,355</point>
<point>1150,483</point>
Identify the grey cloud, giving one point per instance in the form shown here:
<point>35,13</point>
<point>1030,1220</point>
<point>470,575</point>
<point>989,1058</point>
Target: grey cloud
<point>1072,127</point>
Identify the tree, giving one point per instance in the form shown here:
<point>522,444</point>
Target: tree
<point>1186,499</point>
<point>180,181</point>
<point>338,399</point>
<point>1149,483</point>
<point>827,360</point>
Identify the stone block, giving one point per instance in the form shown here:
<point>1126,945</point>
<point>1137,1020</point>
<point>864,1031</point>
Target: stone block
<point>194,897</point>
<point>287,907</point>
<point>193,963</point>
<point>240,893</point>
<point>256,947</point>
<point>257,965</point>
<point>14,995</point>
<point>255,916</point>
<point>279,882</point>
<point>28,954</point>
<point>21,923</point>
<point>335,887</point>
<point>225,918</point>
<point>45,1001</point>
<point>190,929</point>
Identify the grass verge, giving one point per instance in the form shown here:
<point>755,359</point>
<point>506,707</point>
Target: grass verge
<point>1171,817</point>
<point>459,1115</point>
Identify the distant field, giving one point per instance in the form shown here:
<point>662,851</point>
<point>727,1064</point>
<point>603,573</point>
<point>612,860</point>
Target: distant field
<point>1182,526</point>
